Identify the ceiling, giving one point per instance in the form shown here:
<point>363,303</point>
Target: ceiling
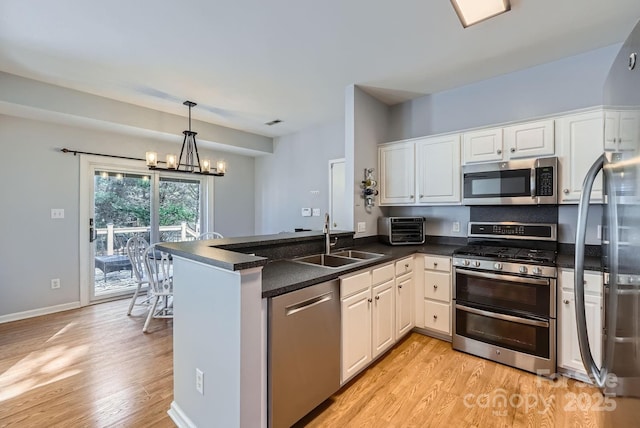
<point>247,62</point>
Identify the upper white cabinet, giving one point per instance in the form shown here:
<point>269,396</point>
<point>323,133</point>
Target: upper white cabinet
<point>423,171</point>
<point>438,169</point>
<point>579,140</point>
<point>484,145</point>
<point>397,173</point>
<point>531,139</point>
<point>621,130</point>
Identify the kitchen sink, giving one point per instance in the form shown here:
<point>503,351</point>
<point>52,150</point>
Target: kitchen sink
<point>327,260</point>
<point>355,254</point>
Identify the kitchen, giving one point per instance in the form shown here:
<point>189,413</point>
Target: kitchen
<point>384,124</point>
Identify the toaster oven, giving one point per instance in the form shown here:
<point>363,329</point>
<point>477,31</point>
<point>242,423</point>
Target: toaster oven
<point>401,230</point>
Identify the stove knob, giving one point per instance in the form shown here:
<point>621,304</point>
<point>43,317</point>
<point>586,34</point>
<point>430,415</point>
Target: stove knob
<point>537,271</point>
<point>476,263</point>
<point>497,266</point>
<point>466,262</point>
<point>523,269</point>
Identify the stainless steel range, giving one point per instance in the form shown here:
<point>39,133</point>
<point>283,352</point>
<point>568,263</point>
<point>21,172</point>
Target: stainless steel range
<point>505,294</point>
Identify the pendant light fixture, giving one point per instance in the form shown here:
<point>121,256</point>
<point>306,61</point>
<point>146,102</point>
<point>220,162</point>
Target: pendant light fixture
<point>192,163</point>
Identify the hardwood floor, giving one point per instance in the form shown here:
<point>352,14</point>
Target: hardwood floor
<point>93,367</point>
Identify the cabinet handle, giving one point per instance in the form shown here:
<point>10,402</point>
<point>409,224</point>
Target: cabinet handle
<point>410,196</point>
<point>435,317</point>
<point>406,265</point>
<point>399,285</point>
<point>499,152</point>
<point>369,300</point>
<point>377,297</point>
<point>619,140</point>
<point>565,301</point>
<point>565,191</point>
<point>421,196</point>
<point>435,286</point>
<point>512,150</point>
<point>435,264</point>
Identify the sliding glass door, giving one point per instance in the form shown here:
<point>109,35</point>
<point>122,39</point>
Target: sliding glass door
<point>124,200</point>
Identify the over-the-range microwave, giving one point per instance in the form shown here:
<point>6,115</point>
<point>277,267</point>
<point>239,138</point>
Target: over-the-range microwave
<point>517,182</point>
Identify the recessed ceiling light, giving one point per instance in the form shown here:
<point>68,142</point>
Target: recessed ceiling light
<point>473,11</point>
<point>273,122</point>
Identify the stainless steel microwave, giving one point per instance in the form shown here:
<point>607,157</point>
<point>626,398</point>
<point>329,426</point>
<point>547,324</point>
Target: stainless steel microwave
<point>517,182</point>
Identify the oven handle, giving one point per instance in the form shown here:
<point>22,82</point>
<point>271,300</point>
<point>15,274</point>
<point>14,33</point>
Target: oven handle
<point>512,278</point>
<point>511,318</point>
<point>532,181</point>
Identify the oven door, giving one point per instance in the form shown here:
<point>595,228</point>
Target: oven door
<point>527,335</point>
<point>517,295</point>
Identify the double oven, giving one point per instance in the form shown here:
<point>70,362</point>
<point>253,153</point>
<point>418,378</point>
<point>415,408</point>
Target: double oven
<point>505,294</point>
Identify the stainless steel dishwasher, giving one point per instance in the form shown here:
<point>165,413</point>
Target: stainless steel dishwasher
<point>304,351</point>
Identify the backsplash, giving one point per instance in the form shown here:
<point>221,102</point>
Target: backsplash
<point>440,219</point>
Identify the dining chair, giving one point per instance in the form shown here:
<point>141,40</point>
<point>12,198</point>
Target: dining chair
<point>210,235</point>
<point>159,273</point>
<point>135,248</point>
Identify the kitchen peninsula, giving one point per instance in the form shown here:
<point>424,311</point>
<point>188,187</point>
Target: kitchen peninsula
<point>220,326</point>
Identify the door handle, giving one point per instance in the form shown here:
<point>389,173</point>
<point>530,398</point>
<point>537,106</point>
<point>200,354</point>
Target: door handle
<point>92,231</point>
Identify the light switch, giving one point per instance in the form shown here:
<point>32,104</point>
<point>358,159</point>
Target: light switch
<point>316,212</point>
<point>456,226</point>
<point>57,213</point>
<point>306,212</point>
<point>362,226</point>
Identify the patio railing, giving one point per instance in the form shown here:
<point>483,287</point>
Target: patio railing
<point>110,231</point>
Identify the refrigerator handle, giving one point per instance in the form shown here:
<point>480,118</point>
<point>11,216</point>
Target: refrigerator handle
<point>597,375</point>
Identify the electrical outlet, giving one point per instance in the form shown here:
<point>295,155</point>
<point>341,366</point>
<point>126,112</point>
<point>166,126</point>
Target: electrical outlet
<point>55,283</point>
<point>306,212</point>
<point>200,381</point>
<point>362,226</point>
<point>57,213</point>
<point>456,226</point>
<point>599,232</point>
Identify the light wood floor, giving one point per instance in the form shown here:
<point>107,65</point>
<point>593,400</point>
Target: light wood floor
<point>93,367</point>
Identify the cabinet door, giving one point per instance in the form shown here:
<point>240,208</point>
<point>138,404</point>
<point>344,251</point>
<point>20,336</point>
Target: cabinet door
<point>438,169</point>
<point>529,139</point>
<point>397,175</point>
<point>404,305</point>
<point>483,145</point>
<point>356,333</point>
<point>628,130</point>
<point>568,347</point>
<point>383,318</point>
<point>579,140</point>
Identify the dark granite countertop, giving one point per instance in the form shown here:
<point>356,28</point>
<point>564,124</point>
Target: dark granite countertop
<point>283,276</point>
<point>568,261</point>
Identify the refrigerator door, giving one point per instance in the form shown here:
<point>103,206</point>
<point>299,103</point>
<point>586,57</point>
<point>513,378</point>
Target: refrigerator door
<point>621,239</point>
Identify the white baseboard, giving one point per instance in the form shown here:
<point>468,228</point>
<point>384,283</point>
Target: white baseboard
<point>179,418</point>
<point>37,312</point>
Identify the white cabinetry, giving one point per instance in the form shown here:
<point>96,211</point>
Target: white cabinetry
<point>621,130</point>
<point>531,139</point>
<point>438,169</point>
<point>404,297</point>
<point>423,171</point>
<point>437,295</point>
<point>569,359</point>
<point>579,139</point>
<point>397,173</point>
<point>368,317</point>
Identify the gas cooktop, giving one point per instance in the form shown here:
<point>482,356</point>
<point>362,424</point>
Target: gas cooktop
<point>523,255</point>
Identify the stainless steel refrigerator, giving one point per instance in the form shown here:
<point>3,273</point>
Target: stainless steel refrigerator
<point>619,375</point>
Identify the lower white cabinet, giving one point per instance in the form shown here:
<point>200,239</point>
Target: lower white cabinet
<point>569,358</point>
<point>437,295</point>
<point>377,309</point>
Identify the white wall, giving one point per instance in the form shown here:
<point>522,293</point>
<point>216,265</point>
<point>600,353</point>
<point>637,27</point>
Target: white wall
<point>285,180</point>
<point>36,177</point>
<point>369,124</point>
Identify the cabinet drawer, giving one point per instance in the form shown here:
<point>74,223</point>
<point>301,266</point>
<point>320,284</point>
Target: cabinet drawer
<point>436,286</point>
<point>382,274</point>
<point>437,263</point>
<point>354,284</point>
<point>404,266</point>
<point>592,281</point>
<point>436,316</point>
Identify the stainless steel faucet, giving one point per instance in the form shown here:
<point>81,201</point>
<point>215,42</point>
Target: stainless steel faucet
<point>327,232</point>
